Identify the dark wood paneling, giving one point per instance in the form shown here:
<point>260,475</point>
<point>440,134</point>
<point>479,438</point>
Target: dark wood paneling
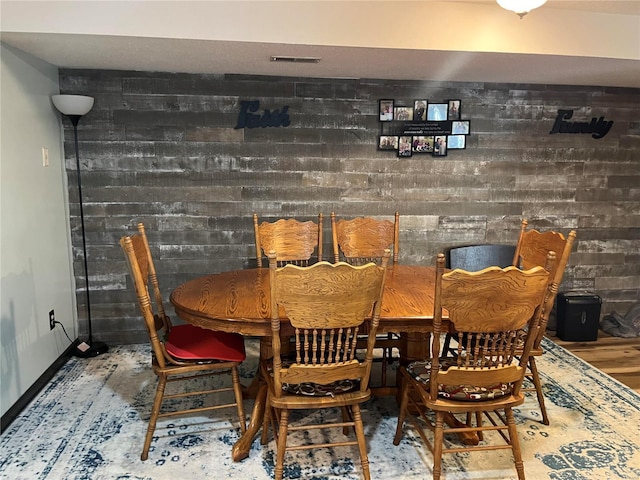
<point>160,148</point>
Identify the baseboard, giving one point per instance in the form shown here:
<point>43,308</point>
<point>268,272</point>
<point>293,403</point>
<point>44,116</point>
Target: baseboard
<point>34,389</point>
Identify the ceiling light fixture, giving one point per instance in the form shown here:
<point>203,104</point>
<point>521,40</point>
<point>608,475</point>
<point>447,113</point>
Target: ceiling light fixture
<point>280,58</point>
<point>521,7</point>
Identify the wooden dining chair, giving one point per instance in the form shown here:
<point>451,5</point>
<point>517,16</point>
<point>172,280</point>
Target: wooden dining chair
<point>182,352</point>
<point>531,251</point>
<point>493,311</point>
<point>293,241</point>
<point>474,258</point>
<point>326,305</point>
<point>362,240</point>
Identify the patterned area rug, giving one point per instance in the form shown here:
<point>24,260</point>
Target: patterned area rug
<point>89,423</point>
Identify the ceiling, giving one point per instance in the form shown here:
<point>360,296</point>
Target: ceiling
<point>630,7</point>
<point>459,48</point>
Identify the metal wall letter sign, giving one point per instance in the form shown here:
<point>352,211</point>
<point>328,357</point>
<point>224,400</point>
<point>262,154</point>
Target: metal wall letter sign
<point>598,127</point>
<point>247,118</point>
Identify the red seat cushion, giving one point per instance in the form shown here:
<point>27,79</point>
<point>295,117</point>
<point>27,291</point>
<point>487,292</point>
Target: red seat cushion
<point>191,343</point>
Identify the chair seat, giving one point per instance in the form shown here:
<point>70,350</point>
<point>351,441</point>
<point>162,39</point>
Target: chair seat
<point>305,402</point>
<point>313,389</point>
<point>318,390</point>
<point>191,343</point>
<point>421,372</point>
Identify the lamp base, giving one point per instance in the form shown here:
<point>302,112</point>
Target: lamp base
<point>84,350</point>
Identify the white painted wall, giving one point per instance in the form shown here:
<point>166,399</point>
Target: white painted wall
<point>476,26</point>
<point>35,261</point>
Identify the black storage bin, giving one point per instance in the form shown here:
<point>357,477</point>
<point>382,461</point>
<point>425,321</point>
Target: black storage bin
<point>578,316</point>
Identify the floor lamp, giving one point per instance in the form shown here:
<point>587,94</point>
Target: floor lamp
<point>74,107</point>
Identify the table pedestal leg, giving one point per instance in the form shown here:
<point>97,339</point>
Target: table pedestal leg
<point>253,389</point>
<point>468,438</point>
<point>243,445</point>
<point>258,391</point>
<point>417,346</point>
<point>414,346</point>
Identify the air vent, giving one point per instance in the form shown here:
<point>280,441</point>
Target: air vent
<point>278,58</point>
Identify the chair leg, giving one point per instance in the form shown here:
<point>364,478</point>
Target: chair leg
<point>346,417</point>
<point>274,419</point>
<point>438,440</point>
<point>237,390</point>
<point>404,389</point>
<point>266,422</point>
<point>362,441</point>
<point>281,444</point>
<point>515,443</point>
<point>155,411</point>
<point>538,384</point>
<point>479,424</point>
<point>446,346</point>
<point>383,367</point>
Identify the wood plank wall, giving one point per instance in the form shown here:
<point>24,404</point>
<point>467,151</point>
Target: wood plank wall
<point>160,148</point>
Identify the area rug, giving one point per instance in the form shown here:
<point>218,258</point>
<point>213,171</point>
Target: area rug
<point>89,423</point>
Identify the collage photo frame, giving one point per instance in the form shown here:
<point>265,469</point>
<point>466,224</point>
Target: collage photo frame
<point>422,127</point>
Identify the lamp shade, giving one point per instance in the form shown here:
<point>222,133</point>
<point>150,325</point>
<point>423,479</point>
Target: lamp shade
<point>521,7</point>
<point>73,104</point>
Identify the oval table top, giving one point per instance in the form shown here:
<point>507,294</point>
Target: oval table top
<point>238,301</point>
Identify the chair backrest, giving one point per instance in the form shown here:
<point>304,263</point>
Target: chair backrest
<point>293,241</point>
<point>143,272</point>
<point>490,310</point>
<point>531,251</point>
<point>364,239</point>
<point>477,257</point>
<point>326,304</point>
<point>533,245</point>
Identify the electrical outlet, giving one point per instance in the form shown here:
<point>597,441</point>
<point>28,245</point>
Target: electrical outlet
<point>52,320</point>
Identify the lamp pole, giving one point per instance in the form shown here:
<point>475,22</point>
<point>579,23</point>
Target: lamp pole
<point>74,107</point>
<point>74,121</point>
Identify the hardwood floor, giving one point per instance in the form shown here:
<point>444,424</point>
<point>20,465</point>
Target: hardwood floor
<point>616,356</point>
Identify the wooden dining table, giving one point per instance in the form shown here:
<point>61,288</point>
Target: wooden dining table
<point>239,301</point>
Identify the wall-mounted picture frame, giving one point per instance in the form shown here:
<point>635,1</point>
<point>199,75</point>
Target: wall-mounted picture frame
<point>404,146</point>
<point>437,112</point>
<point>388,142</point>
<point>460,127</point>
<point>420,127</point>
<point>422,144</point>
<point>453,112</point>
<point>440,146</point>
<point>456,142</point>
<point>420,110</point>
<point>386,110</point>
<point>403,114</point>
